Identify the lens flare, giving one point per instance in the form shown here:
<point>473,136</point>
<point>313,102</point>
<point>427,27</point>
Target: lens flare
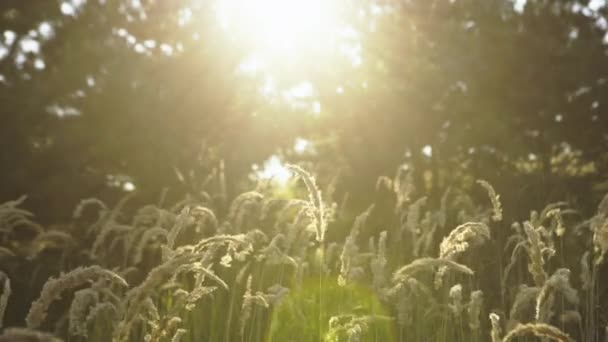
<point>280,27</point>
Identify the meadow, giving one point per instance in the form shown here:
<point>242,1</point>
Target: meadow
<point>276,267</point>
<point>447,178</point>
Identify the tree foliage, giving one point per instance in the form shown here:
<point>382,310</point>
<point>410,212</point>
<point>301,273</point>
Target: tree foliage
<point>96,92</point>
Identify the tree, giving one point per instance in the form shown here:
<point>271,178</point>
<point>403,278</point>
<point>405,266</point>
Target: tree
<point>112,92</point>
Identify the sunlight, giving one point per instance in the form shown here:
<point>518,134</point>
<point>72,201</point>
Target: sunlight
<point>284,40</point>
<point>274,170</point>
<point>251,65</point>
<point>301,145</point>
<point>279,27</point>
<point>300,91</point>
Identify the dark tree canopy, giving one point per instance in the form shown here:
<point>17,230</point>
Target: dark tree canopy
<point>99,93</point>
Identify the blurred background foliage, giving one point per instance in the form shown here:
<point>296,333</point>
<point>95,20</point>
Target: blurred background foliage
<point>103,97</point>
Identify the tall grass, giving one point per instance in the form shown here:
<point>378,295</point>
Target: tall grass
<point>266,269</point>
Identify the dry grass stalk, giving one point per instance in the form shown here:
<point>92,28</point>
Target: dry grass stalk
<point>535,248</point>
<point>442,214</point>
<point>428,264</point>
<point>246,307</point>
<point>260,299</point>
<point>350,326</point>
<point>586,277</point>
<point>240,209</point>
<point>403,185</point>
<point>100,310</point>
<point>496,331</point>
<point>83,301</point>
<point>455,295</point>
<point>413,215</point>
<point>6,292</point>
<point>148,236</point>
<point>540,330</point>
<point>275,254</point>
<point>330,257</point>
<point>12,217</point>
<point>54,287</point>
<point>474,308</point>
<point>349,268</point>
<point>89,202</point>
<point>6,253</point>
<point>203,215</point>
<point>182,220</point>
<point>51,239</point>
<point>558,221</point>
<point>495,198</point>
<point>317,208</point>
<point>558,282</point>
<point>378,263</point>
<point>106,231</point>
<point>179,333</point>
<point>403,303</point>
<point>412,222</point>
<point>165,272</point>
<point>29,335</point>
<point>462,237</point>
<point>600,238</point>
<point>458,241</point>
<point>524,304</point>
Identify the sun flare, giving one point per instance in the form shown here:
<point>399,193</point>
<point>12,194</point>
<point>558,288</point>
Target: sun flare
<point>280,27</point>
<point>284,42</point>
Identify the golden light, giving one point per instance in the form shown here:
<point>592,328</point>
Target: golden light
<point>274,170</point>
<point>284,43</point>
<point>280,28</point>
<point>301,145</point>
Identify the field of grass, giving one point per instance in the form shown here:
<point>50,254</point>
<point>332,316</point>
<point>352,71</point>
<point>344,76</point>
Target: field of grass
<point>272,267</point>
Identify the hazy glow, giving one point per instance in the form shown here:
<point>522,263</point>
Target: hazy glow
<point>9,37</point>
<point>301,145</point>
<point>300,91</point>
<point>39,64</point>
<point>46,30</point>
<point>29,45</point>
<point>67,9</point>
<point>519,5</point>
<point>427,151</point>
<point>283,41</point>
<point>185,15</point>
<point>251,65</point>
<point>279,26</point>
<point>316,107</point>
<point>596,5</point>
<point>128,186</point>
<point>123,182</point>
<point>274,170</point>
<point>268,88</point>
<point>63,111</point>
